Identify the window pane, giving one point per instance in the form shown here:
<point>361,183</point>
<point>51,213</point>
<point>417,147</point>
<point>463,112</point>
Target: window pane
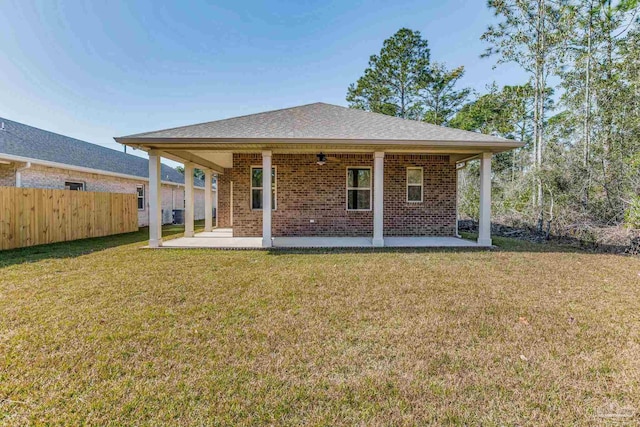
<point>352,199</point>
<point>359,199</point>
<point>140,203</point>
<point>364,178</point>
<point>350,177</point>
<point>256,177</point>
<point>415,193</point>
<point>256,192</point>
<point>359,178</point>
<point>256,199</point>
<point>364,199</point>
<point>414,176</point>
<point>140,191</point>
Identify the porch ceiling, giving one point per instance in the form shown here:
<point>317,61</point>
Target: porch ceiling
<point>197,158</point>
<point>222,158</point>
<point>219,156</point>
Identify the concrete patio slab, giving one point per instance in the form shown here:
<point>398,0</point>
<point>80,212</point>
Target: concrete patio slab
<point>322,242</point>
<point>429,242</point>
<point>222,238</point>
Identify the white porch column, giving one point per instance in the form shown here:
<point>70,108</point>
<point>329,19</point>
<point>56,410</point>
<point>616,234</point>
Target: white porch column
<point>378,199</point>
<point>155,200</point>
<point>484,226</point>
<point>208,201</point>
<point>266,199</point>
<point>188,199</point>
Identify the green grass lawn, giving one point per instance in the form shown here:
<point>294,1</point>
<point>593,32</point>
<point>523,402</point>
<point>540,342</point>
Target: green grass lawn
<point>101,332</point>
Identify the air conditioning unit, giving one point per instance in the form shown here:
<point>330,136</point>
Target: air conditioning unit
<point>178,216</point>
<point>167,216</point>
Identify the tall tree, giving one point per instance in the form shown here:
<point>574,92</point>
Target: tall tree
<point>392,81</point>
<point>489,113</point>
<point>583,153</point>
<point>595,87</point>
<point>441,99</point>
<point>531,34</point>
<point>505,112</point>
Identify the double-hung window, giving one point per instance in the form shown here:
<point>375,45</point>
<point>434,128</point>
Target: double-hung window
<point>414,184</point>
<point>358,189</point>
<point>140,191</point>
<point>256,188</point>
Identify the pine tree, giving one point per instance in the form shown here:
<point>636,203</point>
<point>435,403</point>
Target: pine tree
<point>392,82</point>
<point>531,34</point>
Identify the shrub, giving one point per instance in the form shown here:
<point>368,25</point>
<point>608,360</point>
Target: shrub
<point>632,214</point>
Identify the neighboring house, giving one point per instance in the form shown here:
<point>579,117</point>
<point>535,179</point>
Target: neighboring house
<point>31,157</point>
<point>336,172</point>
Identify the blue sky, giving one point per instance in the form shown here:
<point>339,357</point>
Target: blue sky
<point>98,69</point>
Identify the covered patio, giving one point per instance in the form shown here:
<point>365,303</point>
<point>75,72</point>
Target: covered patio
<point>340,178</point>
<point>222,238</point>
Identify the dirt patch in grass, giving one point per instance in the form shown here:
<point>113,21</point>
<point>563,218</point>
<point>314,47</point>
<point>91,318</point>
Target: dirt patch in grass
<point>515,336</point>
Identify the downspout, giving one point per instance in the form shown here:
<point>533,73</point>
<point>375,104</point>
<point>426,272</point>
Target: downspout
<point>19,174</point>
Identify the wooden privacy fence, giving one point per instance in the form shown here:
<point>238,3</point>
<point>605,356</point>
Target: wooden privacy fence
<point>35,216</point>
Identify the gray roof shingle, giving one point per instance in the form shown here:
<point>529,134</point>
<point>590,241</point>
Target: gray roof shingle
<point>321,121</point>
<point>18,139</point>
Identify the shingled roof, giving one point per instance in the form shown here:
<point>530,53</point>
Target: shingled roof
<point>17,139</point>
<point>319,121</point>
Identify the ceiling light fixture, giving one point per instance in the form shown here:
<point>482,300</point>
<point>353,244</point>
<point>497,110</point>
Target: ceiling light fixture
<point>322,159</point>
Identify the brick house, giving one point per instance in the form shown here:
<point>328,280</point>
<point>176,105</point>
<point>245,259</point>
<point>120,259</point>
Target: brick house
<point>35,158</point>
<point>336,173</point>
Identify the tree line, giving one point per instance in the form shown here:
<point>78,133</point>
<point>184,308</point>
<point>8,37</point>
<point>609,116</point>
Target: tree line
<point>578,113</point>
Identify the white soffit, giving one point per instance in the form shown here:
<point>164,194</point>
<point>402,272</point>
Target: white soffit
<point>222,158</point>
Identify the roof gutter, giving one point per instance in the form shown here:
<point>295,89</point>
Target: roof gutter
<point>29,161</point>
<point>140,142</point>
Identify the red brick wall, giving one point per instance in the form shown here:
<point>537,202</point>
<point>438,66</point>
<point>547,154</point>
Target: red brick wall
<point>436,215</point>
<point>307,191</point>
<point>224,199</point>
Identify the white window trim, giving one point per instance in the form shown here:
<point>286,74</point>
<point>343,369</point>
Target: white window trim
<point>84,184</point>
<point>275,188</point>
<point>359,188</point>
<point>421,169</point>
<point>144,194</point>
